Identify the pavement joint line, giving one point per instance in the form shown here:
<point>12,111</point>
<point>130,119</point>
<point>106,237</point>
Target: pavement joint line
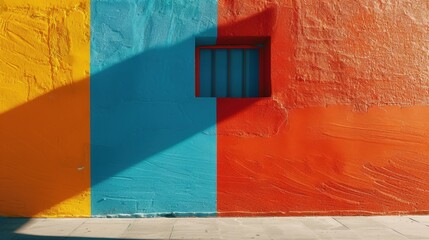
<point>414,220</point>
<point>172,229</point>
<point>340,223</point>
<point>83,222</point>
<point>399,233</point>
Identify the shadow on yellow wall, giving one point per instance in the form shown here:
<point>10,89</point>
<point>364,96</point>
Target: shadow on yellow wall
<point>45,139</point>
<point>45,110</point>
<point>45,155</point>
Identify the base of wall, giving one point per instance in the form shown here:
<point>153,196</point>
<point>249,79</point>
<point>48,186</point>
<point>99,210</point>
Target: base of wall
<point>153,215</point>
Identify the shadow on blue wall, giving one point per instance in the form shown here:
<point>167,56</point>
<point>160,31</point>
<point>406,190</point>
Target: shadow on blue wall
<point>134,124</point>
<point>153,143</point>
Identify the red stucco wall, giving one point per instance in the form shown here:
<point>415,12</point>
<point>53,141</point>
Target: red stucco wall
<point>346,128</point>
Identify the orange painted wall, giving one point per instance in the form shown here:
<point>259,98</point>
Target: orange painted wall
<point>44,108</point>
<point>346,128</point>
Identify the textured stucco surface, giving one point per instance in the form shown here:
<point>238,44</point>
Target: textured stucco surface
<point>44,108</point>
<point>363,53</point>
<point>345,131</point>
<point>153,143</point>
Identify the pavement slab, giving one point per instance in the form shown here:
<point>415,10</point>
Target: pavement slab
<point>252,228</point>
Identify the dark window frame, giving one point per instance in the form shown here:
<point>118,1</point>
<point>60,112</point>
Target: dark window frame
<point>262,80</point>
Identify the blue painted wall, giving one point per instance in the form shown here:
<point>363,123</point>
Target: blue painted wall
<point>153,144</point>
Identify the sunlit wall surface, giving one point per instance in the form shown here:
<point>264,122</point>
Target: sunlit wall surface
<point>98,114</point>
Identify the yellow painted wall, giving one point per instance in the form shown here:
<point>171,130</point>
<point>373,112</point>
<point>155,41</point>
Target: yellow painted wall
<point>44,108</point>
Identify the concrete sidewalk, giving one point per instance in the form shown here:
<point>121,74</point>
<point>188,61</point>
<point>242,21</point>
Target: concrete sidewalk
<point>378,227</point>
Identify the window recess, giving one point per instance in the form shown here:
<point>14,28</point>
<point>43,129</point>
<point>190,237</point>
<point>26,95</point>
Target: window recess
<point>234,71</point>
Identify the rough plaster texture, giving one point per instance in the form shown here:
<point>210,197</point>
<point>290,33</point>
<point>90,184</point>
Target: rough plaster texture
<point>153,143</point>
<point>363,53</point>
<point>345,130</point>
<point>44,108</point>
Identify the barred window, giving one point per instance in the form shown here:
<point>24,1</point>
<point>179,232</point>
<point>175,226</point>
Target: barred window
<point>235,71</point>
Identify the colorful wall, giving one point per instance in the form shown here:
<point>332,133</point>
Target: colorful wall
<point>98,114</point>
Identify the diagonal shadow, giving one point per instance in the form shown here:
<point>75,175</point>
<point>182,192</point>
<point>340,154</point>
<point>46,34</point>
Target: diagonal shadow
<point>6,225</point>
<point>132,121</point>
